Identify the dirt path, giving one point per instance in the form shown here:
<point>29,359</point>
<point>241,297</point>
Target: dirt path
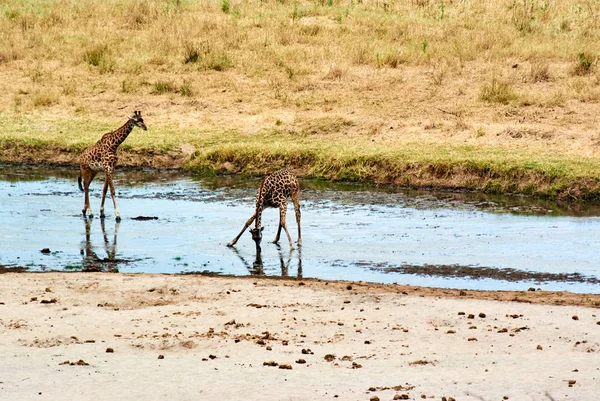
<point>191,337</point>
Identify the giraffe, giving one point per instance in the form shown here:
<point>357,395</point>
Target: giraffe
<point>102,157</point>
<point>274,191</point>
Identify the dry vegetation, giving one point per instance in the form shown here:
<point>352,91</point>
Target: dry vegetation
<point>492,95</point>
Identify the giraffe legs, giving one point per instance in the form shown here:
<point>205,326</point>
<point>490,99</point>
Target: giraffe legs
<point>296,201</point>
<point>103,198</point>
<point>250,220</point>
<point>87,177</point>
<point>283,223</point>
<point>112,194</point>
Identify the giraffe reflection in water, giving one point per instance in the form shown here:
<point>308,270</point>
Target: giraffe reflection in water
<point>256,268</point>
<point>91,261</point>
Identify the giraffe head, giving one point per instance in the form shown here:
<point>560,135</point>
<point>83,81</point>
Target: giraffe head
<point>137,120</point>
<point>257,235</point>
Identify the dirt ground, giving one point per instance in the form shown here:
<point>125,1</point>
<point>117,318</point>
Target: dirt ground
<point>90,336</point>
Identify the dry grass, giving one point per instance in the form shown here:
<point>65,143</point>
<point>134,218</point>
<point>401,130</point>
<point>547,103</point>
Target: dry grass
<point>347,80</point>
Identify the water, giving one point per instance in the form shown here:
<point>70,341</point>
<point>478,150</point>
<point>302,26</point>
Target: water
<point>454,240</point>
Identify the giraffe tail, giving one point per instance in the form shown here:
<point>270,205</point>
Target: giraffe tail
<point>79,182</point>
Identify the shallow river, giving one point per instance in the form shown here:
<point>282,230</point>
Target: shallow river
<point>174,223</point>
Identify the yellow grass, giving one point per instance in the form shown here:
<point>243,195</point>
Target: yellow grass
<point>493,95</point>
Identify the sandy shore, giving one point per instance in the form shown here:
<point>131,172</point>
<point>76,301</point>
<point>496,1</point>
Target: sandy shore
<point>101,336</point>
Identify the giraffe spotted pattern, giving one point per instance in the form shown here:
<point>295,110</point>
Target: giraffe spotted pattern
<point>274,191</point>
<point>103,157</point>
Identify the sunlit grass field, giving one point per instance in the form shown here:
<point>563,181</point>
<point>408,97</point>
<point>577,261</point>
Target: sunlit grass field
<point>501,96</point>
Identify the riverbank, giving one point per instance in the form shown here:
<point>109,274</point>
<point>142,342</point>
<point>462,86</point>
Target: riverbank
<point>88,336</point>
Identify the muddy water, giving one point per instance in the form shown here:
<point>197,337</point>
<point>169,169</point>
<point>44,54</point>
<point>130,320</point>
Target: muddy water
<point>173,223</point>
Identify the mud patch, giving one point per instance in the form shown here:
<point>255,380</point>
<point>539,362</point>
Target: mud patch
<point>9,269</point>
<point>478,273</point>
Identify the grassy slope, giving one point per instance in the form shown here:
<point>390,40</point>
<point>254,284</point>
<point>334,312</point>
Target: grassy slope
<point>499,97</point>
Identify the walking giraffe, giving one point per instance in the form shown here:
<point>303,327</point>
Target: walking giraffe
<point>274,191</point>
<point>102,157</point>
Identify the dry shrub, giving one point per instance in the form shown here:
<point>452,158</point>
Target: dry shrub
<point>539,72</point>
<point>100,56</point>
<point>585,64</point>
<point>140,13</point>
<point>360,53</point>
<point>335,73</point>
<point>45,99</point>
<point>497,92</point>
<point>438,74</point>
<point>390,58</point>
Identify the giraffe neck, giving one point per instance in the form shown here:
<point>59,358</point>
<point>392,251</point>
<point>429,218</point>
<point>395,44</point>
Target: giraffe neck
<point>115,138</point>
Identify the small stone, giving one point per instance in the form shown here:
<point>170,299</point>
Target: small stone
<point>461,313</point>
<point>462,293</point>
<point>48,301</point>
<point>572,382</point>
<point>374,398</point>
<point>349,287</point>
<point>471,316</point>
<point>531,289</point>
<point>575,317</point>
<point>285,366</point>
<point>212,356</point>
<point>269,348</point>
<point>329,357</point>
<point>109,350</point>
<point>270,363</point>
<point>161,356</point>
<point>451,332</point>
<point>367,342</point>
<point>356,365</point>
<point>482,315</point>
<point>45,250</point>
<point>301,361</point>
<point>539,347</point>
